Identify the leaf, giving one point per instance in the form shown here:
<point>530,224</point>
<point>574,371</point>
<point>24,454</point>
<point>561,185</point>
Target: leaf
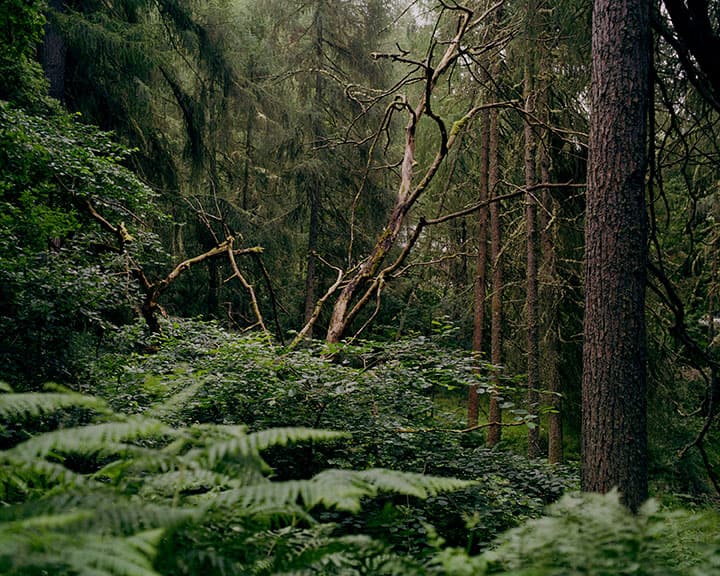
<point>17,406</point>
<point>104,437</point>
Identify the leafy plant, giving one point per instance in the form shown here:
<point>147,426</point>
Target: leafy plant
<point>594,534</point>
<point>62,282</point>
<point>133,495</point>
<point>384,395</point>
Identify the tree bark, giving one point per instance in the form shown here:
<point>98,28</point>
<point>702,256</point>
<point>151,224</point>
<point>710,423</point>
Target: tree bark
<point>614,354</point>
<point>531,272</point>
<point>480,271</point>
<point>494,433</point>
<point>549,293</point>
<point>314,191</point>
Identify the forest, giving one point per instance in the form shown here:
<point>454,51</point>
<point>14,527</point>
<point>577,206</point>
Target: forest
<point>359,287</point>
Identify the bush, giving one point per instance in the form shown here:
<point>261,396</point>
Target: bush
<point>384,395</point>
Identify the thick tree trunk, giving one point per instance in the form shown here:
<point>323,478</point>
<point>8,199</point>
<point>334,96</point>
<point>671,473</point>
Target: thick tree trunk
<point>531,272</point>
<point>494,433</point>
<point>614,355</point>
<point>480,271</point>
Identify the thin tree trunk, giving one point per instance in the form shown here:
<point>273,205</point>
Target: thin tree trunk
<point>531,273</point>
<point>311,270</point>
<point>494,433</point>
<point>314,189</point>
<point>480,271</point>
<point>52,53</point>
<point>213,300</point>
<point>246,166</point>
<point>548,292</point>
<point>614,401</point>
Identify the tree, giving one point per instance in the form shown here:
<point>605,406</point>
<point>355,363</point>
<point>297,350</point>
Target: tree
<point>482,256</point>
<point>367,278</point>
<point>531,271</point>
<point>614,378</point>
<point>494,433</point>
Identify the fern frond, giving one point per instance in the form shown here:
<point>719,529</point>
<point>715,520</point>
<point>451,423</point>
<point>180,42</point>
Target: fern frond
<point>250,444</point>
<point>187,481</point>
<point>25,474</point>
<point>5,387</point>
<point>173,404</point>
<point>40,545</point>
<point>46,522</point>
<point>21,406</point>
<point>104,438</point>
<point>412,483</point>
<point>339,489</point>
<point>132,556</point>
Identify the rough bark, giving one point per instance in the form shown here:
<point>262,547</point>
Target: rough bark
<point>494,433</point>
<point>481,267</point>
<point>531,272</point>
<point>614,439</point>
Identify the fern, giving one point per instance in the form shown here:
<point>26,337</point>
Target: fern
<point>596,535</point>
<point>244,445</point>
<point>104,438</point>
<point>14,406</point>
<point>338,489</point>
<point>99,499</point>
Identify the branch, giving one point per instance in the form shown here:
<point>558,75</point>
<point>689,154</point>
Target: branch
<point>316,311</point>
<point>246,284</point>
<point>457,430</point>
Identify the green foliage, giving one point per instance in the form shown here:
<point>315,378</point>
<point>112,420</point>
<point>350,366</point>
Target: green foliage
<point>129,495</point>
<point>596,535</point>
<point>62,281</point>
<point>385,395</point>
<point>21,28</point>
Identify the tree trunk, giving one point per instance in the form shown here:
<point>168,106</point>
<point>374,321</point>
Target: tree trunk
<point>480,271</point>
<point>314,189</point>
<point>244,195</point>
<point>52,53</point>
<point>548,292</point>
<point>494,433</point>
<point>214,282</point>
<point>531,273</point>
<point>408,193</point>
<point>614,354</point>
<point>311,270</point>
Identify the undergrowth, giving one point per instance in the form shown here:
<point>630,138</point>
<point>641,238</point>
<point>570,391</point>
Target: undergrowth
<point>219,454</point>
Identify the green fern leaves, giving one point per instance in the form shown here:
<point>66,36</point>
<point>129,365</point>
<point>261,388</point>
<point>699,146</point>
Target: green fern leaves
<point>133,496</point>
